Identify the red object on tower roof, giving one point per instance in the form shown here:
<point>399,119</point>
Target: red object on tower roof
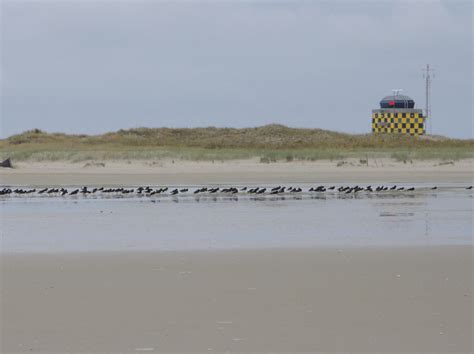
<point>391,103</point>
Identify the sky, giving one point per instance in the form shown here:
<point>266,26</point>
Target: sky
<point>95,66</point>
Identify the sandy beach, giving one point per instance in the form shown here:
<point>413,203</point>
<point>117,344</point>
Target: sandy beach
<point>240,171</point>
<point>347,298</point>
<point>353,299</point>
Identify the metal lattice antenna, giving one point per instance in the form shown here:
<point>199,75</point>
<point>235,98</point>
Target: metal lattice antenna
<point>428,75</point>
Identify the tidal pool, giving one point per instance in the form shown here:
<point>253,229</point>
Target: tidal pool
<point>189,222</point>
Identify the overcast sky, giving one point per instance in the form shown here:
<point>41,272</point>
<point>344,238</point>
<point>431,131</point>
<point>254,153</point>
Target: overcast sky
<point>97,66</point>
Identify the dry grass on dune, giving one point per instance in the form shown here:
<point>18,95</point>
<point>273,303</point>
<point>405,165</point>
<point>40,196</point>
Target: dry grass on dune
<point>270,143</point>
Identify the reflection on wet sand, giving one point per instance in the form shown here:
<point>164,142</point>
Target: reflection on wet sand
<point>227,220</point>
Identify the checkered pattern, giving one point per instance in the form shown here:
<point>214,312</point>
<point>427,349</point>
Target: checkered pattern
<point>402,123</point>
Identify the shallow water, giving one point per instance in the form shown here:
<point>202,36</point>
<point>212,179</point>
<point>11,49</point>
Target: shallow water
<point>187,222</point>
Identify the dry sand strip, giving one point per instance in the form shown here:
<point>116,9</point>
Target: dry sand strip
<point>371,300</point>
<point>235,172</point>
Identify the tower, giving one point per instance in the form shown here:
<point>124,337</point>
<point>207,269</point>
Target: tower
<point>397,115</point>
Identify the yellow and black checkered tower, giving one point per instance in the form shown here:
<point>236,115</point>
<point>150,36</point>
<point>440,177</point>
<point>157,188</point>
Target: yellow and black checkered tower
<point>397,115</point>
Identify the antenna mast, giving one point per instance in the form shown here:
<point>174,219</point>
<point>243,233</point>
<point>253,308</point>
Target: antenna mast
<point>428,74</point>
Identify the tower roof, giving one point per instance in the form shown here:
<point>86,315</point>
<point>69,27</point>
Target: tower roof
<point>397,101</point>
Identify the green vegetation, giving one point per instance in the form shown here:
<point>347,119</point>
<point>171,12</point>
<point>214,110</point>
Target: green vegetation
<point>268,143</point>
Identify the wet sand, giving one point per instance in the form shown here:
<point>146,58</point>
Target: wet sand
<point>352,299</point>
<point>241,171</point>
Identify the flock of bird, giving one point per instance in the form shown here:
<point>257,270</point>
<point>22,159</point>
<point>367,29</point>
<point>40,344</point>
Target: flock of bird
<point>149,191</point>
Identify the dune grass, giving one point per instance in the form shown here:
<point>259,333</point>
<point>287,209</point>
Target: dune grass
<point>268,143</point>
